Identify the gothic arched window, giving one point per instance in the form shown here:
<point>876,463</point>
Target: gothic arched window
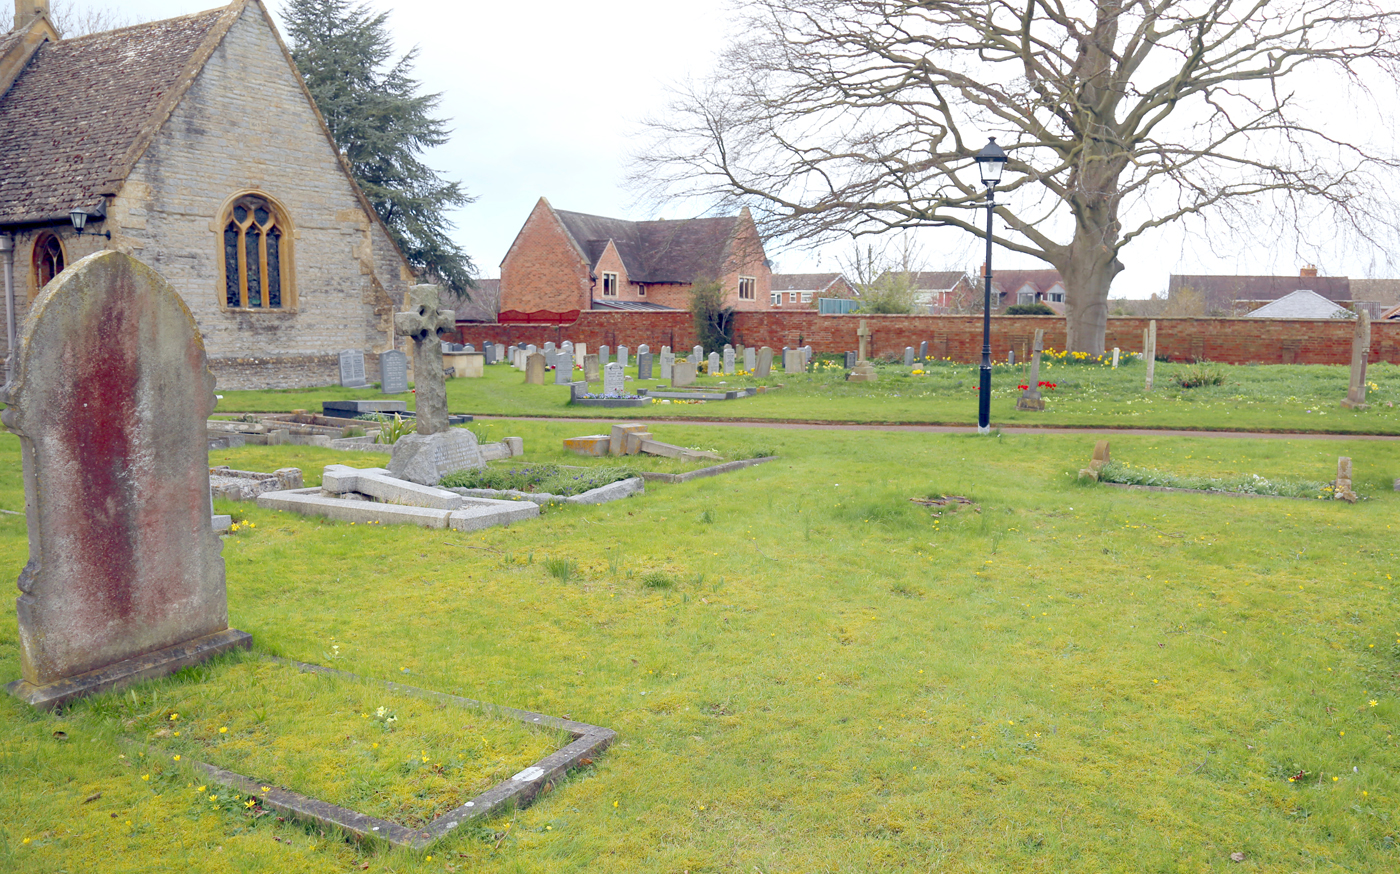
<point>256,261</point>
<point>48,260</point>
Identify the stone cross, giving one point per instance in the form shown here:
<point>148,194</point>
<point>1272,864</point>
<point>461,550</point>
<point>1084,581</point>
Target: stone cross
<point>425,323</point>
<point>124,579</point>
<point>1149,353</point>
<point>1360,351</point>
<point>1030,399</point>
<point>864,334</point>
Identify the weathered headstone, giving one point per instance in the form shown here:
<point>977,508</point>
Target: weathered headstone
<point>500,352</point>
<point>564,371</point>
<point>863,333</point>
<point>729,360</point>
<point>489,350</point>
<point>510,355</point>
<point>923,350</point>
<point>1116,352</point>
<point>713,363</point>
<point>622,355</point>
<point>682,374</point>
<point>124,579</point>
<point>807,355</point>
<point>352,369</point>
<point>604,355</point>
<point>792,361</point>
<point>850,360</point>
<point>763,368</point>
<point>613,383</point>
<point>668,360</point>
<point>643,349</point>
<point>1031,399</point>
<point>580,350</point>
<point>1149,353</point>
<point>1360,351</point>
<point>534,369</point>
<point>590,368</point>
<point>1011,357</point>
<point>643,364</point>
<point>750,358</point>
<point>697,354</point>
<point>1101,458</point>
<point>1341,486</point>
<point>549,350</point>
<point>908,356</point>
<point>531,349</point>
<point>423,324</point>
<point>393,372</point>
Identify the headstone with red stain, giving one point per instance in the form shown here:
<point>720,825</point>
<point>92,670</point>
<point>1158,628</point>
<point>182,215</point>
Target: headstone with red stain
<point>124,580</point>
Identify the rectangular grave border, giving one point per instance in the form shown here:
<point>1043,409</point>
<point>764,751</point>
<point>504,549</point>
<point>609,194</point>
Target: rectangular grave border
<point>611,402</point>
<point>703,472</point>
<point>519,789</point>
<point>1142,488</point>
<point>715,394</point>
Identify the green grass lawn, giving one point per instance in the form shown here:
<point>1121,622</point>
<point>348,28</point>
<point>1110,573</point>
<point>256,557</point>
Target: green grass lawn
<point>1263,397</point>
<point>809,672</point>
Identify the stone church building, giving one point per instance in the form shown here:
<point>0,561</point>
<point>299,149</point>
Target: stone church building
<point>193,145</point>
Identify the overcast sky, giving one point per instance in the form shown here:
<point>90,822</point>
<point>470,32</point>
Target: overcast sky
<point>545,99</point>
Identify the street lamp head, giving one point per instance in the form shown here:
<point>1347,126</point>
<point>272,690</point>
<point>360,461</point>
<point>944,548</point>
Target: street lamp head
<point>79,218</point>
<point>991,161</point>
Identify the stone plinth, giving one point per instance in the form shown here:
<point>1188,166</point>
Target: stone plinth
<point>124,579</point>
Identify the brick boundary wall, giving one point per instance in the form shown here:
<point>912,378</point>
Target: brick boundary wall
<point>1223,340</point>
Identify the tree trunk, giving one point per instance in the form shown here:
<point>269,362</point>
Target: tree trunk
<point>1087,273</point>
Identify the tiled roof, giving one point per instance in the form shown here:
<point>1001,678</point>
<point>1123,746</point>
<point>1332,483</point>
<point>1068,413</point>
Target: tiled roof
<point>803,281</point>
<point>1011,281</point>
<point>1232,288</point>
<point>938,280</point>
<point>70,122</point>
<point>1385,291</point>
<point>656,251</point>
<point>1300,305</point>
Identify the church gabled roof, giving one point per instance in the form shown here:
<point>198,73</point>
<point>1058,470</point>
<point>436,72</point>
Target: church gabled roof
<point>656,251</point>
<point>84,109</point>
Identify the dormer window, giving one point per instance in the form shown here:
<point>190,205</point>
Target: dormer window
<point>609,285</point>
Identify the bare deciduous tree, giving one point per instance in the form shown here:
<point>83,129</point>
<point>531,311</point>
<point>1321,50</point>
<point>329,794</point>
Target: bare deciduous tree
<point>836,117</point>
<point>73,19</point>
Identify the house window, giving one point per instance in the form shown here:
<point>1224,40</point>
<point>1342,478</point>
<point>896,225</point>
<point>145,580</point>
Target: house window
<point>792,297</point>
<point>775,298</point>
<point>1057,296</point>
<point>256,259</point>
<point>747,286</point>
<point>806,297</point>
<point>48,259</point>
<point>609,285</point>
<point>1025,297</point>
<point>641,291</point>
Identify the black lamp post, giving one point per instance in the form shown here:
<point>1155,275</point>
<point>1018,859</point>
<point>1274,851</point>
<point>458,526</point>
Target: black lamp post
<point>991,161</point>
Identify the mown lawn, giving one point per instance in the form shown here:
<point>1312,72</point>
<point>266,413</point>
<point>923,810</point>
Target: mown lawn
<point>1261,398</point>
<point>809,672</point>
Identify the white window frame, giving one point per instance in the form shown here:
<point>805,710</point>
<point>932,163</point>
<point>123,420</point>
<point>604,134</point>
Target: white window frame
<point>806,297</point>
<point>609,285</point>
<point>792,297</point>
<point>641,290</point>
<point>748,287</point>
<point>1025,297</point>
<point>775,298</point>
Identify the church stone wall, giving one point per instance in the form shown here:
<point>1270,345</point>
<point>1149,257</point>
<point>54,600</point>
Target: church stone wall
<point>245,125</point>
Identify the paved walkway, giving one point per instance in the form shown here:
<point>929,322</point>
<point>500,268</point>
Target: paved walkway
<point>965,429</point>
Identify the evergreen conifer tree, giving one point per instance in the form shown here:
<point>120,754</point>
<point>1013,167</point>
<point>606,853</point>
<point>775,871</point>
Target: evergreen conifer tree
<point>377,118</point>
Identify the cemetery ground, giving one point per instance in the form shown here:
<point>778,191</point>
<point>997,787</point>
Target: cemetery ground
<point>1289,398</point>
<point>806,670</point>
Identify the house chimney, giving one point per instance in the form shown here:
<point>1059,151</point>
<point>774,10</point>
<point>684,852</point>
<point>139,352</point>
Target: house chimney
<point>1308,272</point>
<point>28,10</point>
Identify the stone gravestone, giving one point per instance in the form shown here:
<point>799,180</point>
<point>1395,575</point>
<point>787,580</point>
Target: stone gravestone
<point>643,349</point>
<point>923,350</point>
<point>613,380</point>
<point>510,355</point>
<point>750,358</point>
<point>863,334</point>
<point>713,363</point>
<point>729,360</point>
<point>352,369</point>
<point>393,372</point>
<point>436,450</point>
<point>806,356</point>
<point>1030,399</point>
<point>1360,351</point>
<point>643,364</point>
<point>124,580</point>
<point>580,350</point>
<point>549,349</point>
<point>763,368</point>
<point>534,369</point>
<point>500,351</point>
<point>1149,353</point>
<point>622,353</point>
<point>563,369</point>
<point>590,368</point>
<point>850,360</point>
<point>1341,486</point>
<point>668,360</point>
<point>463,347</point>
<point>682,374</point>
<point>604,354</point>
<point>792,361</point>
<point>908,356</point>
<point>489,350</point>
<point>697,354</point>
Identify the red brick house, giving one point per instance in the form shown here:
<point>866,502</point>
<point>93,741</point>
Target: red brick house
<point>563,261</point>
<point>801,291</point>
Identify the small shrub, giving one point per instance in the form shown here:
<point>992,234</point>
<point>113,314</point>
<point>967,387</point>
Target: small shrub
<point>657,580</point>
<point>1198,375</point>
<point>1029,309</point>
<point>562,569</point>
